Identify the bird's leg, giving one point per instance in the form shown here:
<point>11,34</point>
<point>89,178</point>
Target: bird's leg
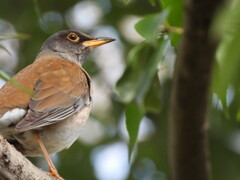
<point>53,170</point>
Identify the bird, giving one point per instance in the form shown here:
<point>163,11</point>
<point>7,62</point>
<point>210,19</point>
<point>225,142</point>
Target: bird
<point>45,105</point>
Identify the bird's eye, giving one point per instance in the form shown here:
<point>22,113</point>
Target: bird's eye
<point>73,37</point>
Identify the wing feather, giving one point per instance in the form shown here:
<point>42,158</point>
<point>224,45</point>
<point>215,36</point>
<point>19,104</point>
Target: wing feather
<point>58,94</point>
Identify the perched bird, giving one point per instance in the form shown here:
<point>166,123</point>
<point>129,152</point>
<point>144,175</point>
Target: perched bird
<point>45,105</point>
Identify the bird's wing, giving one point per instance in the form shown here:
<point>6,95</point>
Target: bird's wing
<point>57,95</point>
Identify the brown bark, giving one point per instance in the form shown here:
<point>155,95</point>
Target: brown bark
<point>14,166</point>
<point>190,93</point>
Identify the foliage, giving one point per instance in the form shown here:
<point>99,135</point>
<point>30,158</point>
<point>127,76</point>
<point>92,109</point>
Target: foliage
<point>228,27</point>
<point>142,65</point>
<point>12,36</point>
<point>141,91</point>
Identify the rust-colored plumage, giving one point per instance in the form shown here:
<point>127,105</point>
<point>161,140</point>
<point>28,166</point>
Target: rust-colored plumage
<point>46,116</point>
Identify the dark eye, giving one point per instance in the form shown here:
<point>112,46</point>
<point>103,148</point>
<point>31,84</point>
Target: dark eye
<point>73,37</point>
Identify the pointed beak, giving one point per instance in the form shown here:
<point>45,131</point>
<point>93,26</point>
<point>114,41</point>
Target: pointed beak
<point>97,42</point>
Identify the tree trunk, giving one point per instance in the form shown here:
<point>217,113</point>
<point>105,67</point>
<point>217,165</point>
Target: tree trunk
<point>188,126</point>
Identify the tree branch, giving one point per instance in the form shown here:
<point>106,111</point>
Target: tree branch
<point>15,166</point>
<point>190,93</point>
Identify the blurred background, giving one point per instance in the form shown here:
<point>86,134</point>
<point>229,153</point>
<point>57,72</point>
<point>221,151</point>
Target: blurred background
<point>126,134</point>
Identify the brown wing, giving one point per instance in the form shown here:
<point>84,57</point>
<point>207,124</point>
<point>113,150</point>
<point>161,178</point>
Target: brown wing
<point>57,95</point>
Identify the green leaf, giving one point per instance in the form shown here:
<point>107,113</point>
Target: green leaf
<point>150,69</point>
<point>15,83</point>
<point>127,1</point>
<point>133,118</point>
<point>175,17</point>
<point>142,66</point>
<point>14,36</point>
<point>127,85</point>
<point>228,55</point>
<point>37,10</point>
<point>149,26</point>
<point>4,76</point>
<point>152,99</point>
<point>152,2</point>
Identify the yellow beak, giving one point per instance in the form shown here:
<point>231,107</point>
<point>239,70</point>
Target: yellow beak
<point>97,42</point>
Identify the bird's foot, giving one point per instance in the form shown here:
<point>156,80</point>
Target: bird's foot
<point>55,174</point>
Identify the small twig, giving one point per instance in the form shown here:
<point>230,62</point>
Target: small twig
<point>15,166</point>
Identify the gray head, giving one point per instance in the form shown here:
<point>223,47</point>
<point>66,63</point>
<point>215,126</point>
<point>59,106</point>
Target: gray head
<point>71,45</point>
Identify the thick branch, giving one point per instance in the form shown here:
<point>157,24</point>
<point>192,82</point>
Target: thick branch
<point>190,93</point>
<point>14,166</point>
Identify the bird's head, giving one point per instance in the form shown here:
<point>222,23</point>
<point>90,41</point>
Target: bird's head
<point>71,45</point>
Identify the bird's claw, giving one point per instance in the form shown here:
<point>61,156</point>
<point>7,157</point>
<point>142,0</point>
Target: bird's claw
<point>56,175</point>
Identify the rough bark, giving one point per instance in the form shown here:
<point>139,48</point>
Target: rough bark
<point>190,93</point>
<point>15,166</point>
